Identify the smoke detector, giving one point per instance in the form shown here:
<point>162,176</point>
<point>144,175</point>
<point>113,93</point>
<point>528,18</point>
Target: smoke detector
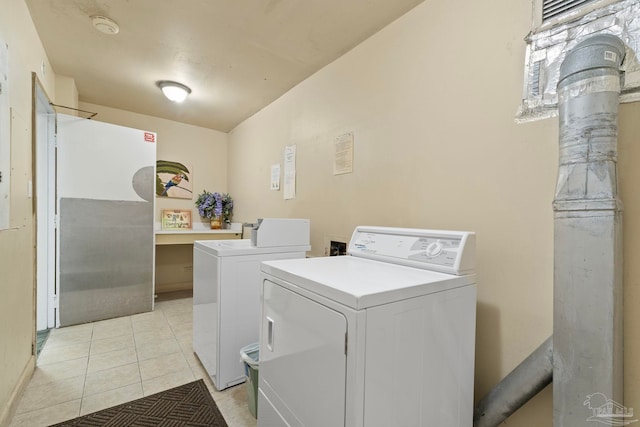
<point>105,25</point>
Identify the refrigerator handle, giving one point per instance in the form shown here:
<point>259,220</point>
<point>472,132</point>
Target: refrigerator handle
<point>270,333</point>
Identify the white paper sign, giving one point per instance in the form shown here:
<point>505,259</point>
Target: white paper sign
<point>290,172</point>
<point>275,177</point>
<point>343,154</point>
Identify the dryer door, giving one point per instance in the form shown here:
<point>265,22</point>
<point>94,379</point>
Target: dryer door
<point>302,359</point>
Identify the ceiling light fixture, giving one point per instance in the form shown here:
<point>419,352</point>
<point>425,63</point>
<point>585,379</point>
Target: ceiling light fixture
<point>105,25</point>
<point>174,91</point>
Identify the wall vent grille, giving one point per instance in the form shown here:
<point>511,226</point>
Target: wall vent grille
<point>554,8</point>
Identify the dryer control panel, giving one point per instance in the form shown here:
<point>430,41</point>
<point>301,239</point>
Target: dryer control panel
<point>446,251</point>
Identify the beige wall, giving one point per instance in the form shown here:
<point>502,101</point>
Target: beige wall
<point>431,100</point>
<point>205,150</point>
<point>628,157</point>
<point>17,327</point>
<point>66,95</point>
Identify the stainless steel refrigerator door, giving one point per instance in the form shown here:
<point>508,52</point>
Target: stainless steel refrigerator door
<point>105,186</point>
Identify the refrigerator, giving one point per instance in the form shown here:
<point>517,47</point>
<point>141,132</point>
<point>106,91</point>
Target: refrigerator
<point>105,220</point>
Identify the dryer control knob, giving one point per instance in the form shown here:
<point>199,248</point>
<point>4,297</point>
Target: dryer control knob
<point>434,249</point>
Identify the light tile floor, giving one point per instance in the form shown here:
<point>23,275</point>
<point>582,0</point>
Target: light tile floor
<point>86,368</point>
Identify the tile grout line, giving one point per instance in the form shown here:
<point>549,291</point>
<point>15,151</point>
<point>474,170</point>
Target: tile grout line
<point>135,348</point>
<point>138,357</point>
<point>86,370</point>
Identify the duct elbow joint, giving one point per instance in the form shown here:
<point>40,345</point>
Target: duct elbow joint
<point>601,52</point>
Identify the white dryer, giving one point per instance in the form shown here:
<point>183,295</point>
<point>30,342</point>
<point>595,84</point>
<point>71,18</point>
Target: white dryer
<point>382,337</point>
<point>226,300</point>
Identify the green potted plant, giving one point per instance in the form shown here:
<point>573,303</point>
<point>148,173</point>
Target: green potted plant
<point>227,209</point>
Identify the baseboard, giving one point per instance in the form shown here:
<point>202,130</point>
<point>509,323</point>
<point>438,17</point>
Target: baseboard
<point>10,408</point>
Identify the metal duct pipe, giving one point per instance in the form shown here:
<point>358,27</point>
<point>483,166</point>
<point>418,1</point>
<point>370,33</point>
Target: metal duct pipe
<point>524,382</point>
<point>585,351</point>
<point>587,322</point>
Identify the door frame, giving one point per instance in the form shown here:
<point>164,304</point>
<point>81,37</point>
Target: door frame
<point>44,206</point>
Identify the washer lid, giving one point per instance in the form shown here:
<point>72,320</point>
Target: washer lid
<point>237,247</point>
<point>361,283</point>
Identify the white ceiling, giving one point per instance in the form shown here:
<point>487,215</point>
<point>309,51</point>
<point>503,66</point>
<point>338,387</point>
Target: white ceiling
<point>237,56</point>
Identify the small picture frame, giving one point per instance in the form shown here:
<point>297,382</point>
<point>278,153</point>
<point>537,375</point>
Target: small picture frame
<point>173,219</point>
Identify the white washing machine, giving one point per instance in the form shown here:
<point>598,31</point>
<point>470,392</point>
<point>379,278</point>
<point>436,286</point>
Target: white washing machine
<point>382,337</point>
<point>226,300</point>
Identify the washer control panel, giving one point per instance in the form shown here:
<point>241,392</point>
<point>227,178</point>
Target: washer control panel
<point>439,250</point>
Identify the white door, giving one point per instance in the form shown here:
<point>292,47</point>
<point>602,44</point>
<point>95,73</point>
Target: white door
<point>105,234</point>
<point>45,185</point>
<point>302,360</point>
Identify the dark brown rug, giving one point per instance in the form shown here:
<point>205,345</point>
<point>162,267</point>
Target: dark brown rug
<point>187,405</point>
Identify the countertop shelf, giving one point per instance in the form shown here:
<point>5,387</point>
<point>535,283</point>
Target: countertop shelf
<point>198,232</point>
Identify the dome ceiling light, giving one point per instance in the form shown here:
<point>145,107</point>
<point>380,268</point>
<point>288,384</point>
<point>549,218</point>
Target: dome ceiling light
<point>174,91</point>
